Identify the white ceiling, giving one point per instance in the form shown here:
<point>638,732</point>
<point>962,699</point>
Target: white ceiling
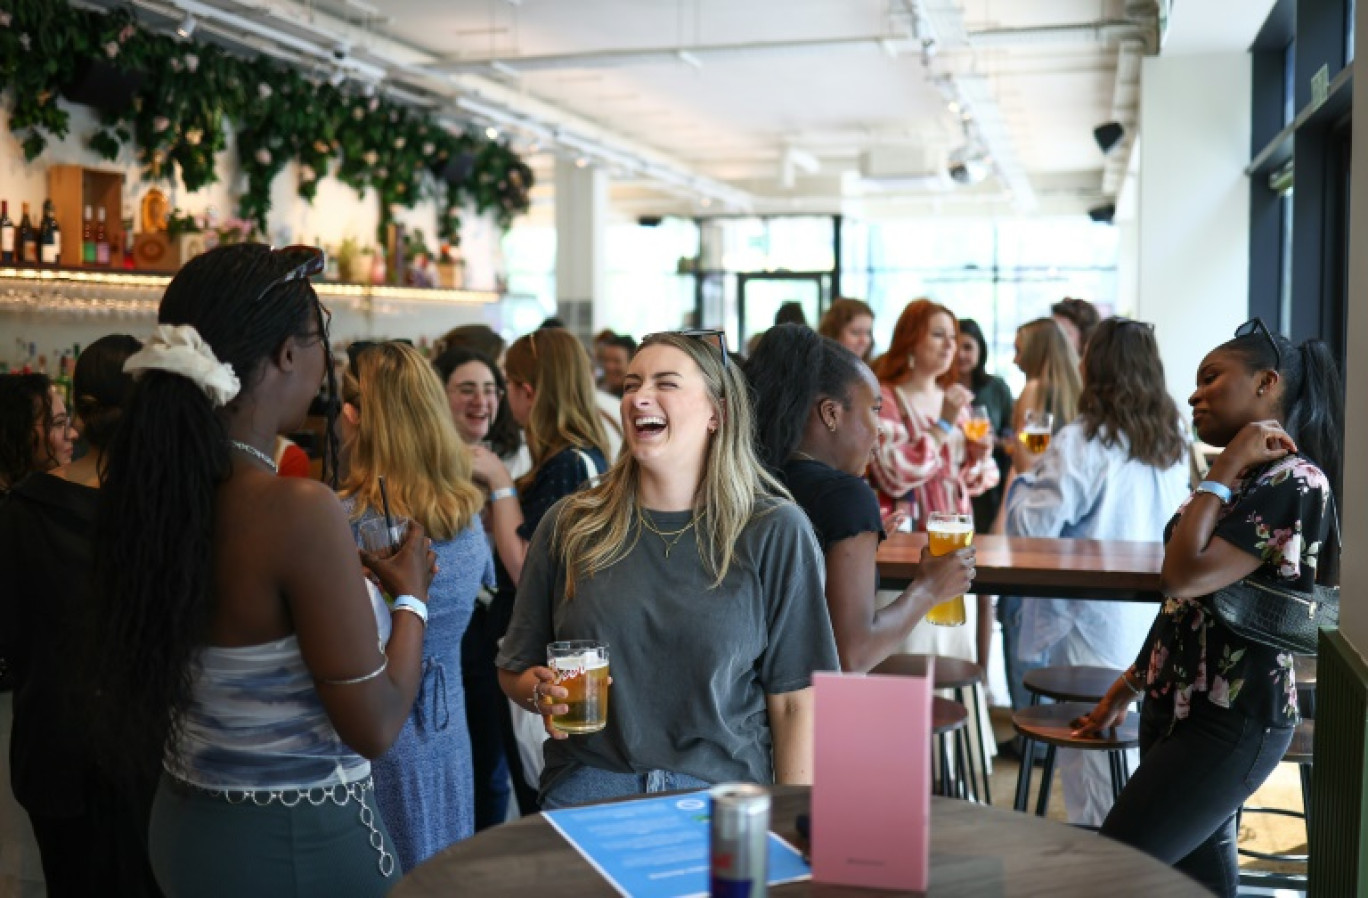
<point>774,104</point>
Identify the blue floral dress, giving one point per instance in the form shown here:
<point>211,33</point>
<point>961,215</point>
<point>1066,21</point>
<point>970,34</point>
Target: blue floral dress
<point>424,784</point>
<point>1281,515</point>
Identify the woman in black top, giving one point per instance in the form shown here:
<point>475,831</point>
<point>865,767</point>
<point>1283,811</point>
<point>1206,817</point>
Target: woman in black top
<point>1219,709</point>
<point>817,419</point>
<point>91,832</point>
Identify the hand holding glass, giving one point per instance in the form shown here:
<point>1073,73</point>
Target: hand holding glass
<point>581,667</point>
<point>1035,434</point>
<point>379,540</point>
<point>949,532</point>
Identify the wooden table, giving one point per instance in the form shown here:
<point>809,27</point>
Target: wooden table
<point>975,850</point>
<point>1113,570</point>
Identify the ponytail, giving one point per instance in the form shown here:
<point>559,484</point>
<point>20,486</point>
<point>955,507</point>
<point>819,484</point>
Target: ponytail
<point>783,374</point>
<point>1313,407</point>
<point>154,563</point>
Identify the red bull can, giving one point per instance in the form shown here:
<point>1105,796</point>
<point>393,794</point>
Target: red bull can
<point>740,840</point>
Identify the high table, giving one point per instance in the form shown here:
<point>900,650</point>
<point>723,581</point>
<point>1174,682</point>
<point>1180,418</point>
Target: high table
<point>1114,570</point>
<point>975,850</point>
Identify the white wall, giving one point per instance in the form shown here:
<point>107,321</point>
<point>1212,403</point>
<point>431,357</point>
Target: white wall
<point>1193,211</point>
<point>1354,573</point>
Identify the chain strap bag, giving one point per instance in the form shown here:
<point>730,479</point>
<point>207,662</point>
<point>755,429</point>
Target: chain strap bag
<point>1277,616</point>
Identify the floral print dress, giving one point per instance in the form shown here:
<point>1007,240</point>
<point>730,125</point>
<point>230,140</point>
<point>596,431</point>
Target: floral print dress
<point>1281,515</point>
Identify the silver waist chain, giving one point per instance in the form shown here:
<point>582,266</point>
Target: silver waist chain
<point>340,794</point>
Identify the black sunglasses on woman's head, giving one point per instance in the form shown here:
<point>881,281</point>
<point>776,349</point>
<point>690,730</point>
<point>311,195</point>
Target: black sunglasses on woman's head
<point>304,261</point>
<point>1256,325</point>
<point>714,338</point>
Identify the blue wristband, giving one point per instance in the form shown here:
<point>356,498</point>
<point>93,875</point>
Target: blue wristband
<point>1219,490</point>
<point>410,604</point>
<point>504,492</point>
<point>945,425</point>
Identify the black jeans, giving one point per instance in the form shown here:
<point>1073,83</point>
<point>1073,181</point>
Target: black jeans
<point>1181,802</point>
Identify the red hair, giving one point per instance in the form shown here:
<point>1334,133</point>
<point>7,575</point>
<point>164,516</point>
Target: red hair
<point>913,324</point>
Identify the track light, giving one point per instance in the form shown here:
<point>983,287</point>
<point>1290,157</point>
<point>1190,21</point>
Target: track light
<point>1103,214</point>
<point>492,133</point>
<point>1108,135</point>
<point>187,27</point>
<point>968,165</point>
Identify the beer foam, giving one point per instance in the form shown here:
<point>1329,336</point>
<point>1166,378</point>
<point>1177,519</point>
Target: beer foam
<point>1035,428</point>
<point>949,527</point>
<point>574,665</point>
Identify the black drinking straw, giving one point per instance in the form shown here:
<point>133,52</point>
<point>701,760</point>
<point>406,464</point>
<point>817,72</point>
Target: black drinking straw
<point>389,521</point>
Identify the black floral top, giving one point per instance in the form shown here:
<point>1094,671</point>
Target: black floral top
<point>1281,515</point>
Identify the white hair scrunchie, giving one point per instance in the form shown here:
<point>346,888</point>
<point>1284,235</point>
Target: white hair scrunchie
<point>179,349</point>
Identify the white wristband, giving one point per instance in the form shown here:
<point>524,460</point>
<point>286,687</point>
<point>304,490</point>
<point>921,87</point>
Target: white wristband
<point>413,606</point>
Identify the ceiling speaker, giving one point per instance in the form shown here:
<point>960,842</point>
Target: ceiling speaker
<point>1108,135</point>
<point>1103,214</point>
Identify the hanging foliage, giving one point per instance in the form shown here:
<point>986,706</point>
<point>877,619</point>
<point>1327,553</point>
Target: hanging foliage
<point>189,94</point>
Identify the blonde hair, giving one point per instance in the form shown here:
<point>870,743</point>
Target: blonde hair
<point>564,411</point>
<point>600,526</point>
<point>1048,356</point>
<point>407,435</point>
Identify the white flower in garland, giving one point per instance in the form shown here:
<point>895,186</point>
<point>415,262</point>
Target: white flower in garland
<point>191,62</point>
<point>307,173</point>
<point>5,19</point>
<point>399,143</point>
<point>25,41</point>
<point>160,124</point>
<point>111,49</point>
<point>370,157</point>
<point>264,91</point>
<point>194,136</point>
<point>263,156</point>
<point>429,148</point>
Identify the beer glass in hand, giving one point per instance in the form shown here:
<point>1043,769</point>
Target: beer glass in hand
<point>581,667</point>
<point>1035,434</point>
<point>949,532</point>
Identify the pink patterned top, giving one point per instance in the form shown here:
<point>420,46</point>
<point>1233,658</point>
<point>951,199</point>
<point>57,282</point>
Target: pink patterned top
<point>914,471</point>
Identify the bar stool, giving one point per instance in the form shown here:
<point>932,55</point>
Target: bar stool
<point>955,674</point>
<point>1075,683</point>
<point>1299,752</point>
<point>1052,725</point>
<point>951,719</point>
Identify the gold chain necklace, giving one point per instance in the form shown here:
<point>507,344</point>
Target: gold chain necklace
<point>666,534</point>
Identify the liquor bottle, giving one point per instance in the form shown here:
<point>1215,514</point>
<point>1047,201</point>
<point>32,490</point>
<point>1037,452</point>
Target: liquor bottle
<point>28,239</point>
<point>63,379</point>
<point>88,237</point>
<point>6,235</point>
<point>129,258</point>
<point>101,239</point>
<point>51,237</point>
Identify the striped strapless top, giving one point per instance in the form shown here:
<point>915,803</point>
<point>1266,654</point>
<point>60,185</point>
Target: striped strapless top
<point>255,721</point>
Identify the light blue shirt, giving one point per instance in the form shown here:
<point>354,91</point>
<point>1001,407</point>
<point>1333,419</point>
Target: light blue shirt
<point>1083,489</point>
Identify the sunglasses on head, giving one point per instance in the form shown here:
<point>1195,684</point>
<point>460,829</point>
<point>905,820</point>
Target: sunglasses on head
<point>1254,326</point>
<point>717,339</point>
<point>304,262</point>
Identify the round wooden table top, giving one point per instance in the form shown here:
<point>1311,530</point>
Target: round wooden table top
<point>1053,725</point>
<point>1072,683</point>
<point>975,850</point>
<point>949,673</point>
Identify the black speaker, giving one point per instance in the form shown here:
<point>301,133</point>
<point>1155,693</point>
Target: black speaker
<point>649,221</point>
<point>1103,214</point>
<point>1108,135</point>
<point>102,86</point>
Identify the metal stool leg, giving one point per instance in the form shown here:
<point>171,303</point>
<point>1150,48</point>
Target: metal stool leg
<point>1305,771</point>
<point>1046,779</point>
<point>944,765</point>
<point>1117,760</point>
<point>972,775</point>
<point>1023,790</point>
<point>967,786</point>
<point>987,792</point>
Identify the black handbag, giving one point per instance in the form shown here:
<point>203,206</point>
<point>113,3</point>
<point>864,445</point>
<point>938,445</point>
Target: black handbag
<point>1274,615</point>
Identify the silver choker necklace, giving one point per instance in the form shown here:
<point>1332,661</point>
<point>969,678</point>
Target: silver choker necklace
<point>256,453</point>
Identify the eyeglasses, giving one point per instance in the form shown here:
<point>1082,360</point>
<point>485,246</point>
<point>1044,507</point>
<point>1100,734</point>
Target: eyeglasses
<point>1256,325</point>
<point>62,423</point>
<point>714,338</point>
<point>305,262</point>
<point>469,390</point>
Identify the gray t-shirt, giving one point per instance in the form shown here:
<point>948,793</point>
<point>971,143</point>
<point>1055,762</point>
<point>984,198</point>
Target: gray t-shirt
<point>691,665</point>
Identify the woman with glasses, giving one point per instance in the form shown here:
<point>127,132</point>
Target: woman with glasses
<point>477,395</point>
<point>1116,471</point>
<point>817,420</point>
<point>91,831</point>
<point>394,425</point>
<point>244,645</point>
<point>704,583</point>
<point>551,394</point>
<point>1219,709</point>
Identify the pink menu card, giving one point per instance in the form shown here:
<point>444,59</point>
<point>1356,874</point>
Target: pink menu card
<point>871,790</point>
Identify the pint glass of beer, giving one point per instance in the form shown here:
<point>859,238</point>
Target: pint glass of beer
<point>948,532</point>
<point>581,666</point>
<point>1035,434</point>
